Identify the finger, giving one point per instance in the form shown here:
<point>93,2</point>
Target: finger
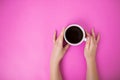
<point>61,35</point>
<point>88,42</point>
<point>54,37</point>
<point>66,47</point>
<point>98,37</point>
<point>93,33</point>
<point>92,41</point>
<point>87,33</point>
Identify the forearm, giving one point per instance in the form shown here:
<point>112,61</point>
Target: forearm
<point>55,73</point>
<point>92,73</point>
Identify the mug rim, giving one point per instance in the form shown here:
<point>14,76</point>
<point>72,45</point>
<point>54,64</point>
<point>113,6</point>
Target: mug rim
<point>83,39</point>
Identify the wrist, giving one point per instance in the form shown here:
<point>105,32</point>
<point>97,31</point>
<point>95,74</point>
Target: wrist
<point>54,65</point>
<point>54,62</point>
<point>90,61</point>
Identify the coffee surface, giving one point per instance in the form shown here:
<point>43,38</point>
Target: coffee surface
<point>74,34</point>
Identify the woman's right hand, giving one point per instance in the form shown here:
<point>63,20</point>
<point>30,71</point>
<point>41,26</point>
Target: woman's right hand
<point>91,46</point>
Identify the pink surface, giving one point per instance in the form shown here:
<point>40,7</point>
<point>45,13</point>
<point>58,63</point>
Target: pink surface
<point>26,30</point>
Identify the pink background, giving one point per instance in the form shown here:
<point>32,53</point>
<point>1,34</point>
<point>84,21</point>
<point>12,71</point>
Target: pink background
<point>26,31</point>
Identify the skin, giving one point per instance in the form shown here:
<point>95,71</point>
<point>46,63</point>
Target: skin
<point>57,55</point>
<point>59,51</point>
<point>90,55</point>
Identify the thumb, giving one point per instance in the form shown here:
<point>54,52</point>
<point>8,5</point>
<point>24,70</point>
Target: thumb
<point>66,48</point>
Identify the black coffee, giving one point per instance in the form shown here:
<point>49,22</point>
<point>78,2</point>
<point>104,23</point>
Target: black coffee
<point>74,34</point>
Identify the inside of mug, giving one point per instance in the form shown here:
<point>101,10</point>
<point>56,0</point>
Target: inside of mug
<point>74,34</point>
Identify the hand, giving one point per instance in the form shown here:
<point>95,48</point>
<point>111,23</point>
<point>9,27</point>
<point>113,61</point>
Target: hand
<point>58,49</point>
<point>91,46</point>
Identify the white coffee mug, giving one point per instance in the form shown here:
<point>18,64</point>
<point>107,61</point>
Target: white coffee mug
<point>83,33</point>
